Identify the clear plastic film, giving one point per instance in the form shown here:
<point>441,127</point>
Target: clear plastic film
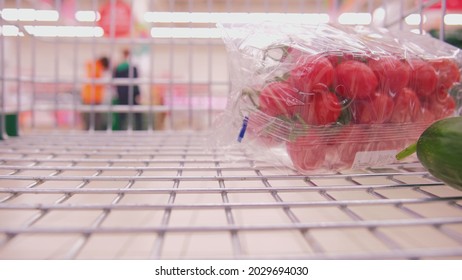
<point>327,98</point>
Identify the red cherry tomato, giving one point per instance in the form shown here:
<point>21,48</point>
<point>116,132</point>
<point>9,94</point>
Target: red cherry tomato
<point>351,140</point>
<point>279,99</point>
<point>310,71</point>
<point>426,114</point>
<point>423,79</point>
<point>407,107</point>
<point>262,131</point>
<point>307,152</point>
<point>377,110</point>
<point>392,73</point>
<point>440,104</point>
<point>321,107</point>
<point>355,80</point>
<point>447,70</point>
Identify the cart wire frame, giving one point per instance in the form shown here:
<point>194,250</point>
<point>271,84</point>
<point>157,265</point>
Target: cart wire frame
<point>66,193</point>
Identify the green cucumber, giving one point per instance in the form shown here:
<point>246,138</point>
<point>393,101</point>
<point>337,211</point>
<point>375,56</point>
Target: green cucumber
<point>439,150</point>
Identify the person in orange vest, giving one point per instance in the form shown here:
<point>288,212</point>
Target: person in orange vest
<point>93,93</point>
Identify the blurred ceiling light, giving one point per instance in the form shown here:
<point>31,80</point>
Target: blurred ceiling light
<point>418,31</point>
<point>355,18</point>
<point>46,15</point>
<point>453,19</point>
<point>29,15</point>
<point>64,31</point>
<point>378,16</point>
<point>10,30</point>
<point>415,19</point>
<point>18,14</point>
<point>185,33</point>
<point>87,16</point>
<point>203,17</point>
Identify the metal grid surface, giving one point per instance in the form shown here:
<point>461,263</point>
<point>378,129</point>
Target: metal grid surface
<point>72,194</point>
<point>164,196</point>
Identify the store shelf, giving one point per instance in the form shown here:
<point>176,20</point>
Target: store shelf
<point>165,195</point>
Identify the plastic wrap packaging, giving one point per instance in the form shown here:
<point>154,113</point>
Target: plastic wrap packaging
<point>329,98</point>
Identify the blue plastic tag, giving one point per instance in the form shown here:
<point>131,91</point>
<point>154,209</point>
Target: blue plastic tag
<point>243,129</point>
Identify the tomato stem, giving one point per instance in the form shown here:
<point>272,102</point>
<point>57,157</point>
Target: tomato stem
<point>250,93</point>
<point>280,58</point>
<point>409,150</point>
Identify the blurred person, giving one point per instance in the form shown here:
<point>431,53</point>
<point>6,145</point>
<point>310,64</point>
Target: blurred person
<point>128,93</point>
<point>94,93</point>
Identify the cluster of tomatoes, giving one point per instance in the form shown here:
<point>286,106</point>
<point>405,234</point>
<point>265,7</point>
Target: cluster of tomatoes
<point>355,91</point>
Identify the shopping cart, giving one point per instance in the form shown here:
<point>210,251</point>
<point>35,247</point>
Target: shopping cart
<point>158,193</point>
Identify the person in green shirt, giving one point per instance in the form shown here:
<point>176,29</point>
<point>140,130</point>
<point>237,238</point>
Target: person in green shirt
<point>128,93</point>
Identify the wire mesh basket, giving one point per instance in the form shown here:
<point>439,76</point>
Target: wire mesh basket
<point>72,190</point>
